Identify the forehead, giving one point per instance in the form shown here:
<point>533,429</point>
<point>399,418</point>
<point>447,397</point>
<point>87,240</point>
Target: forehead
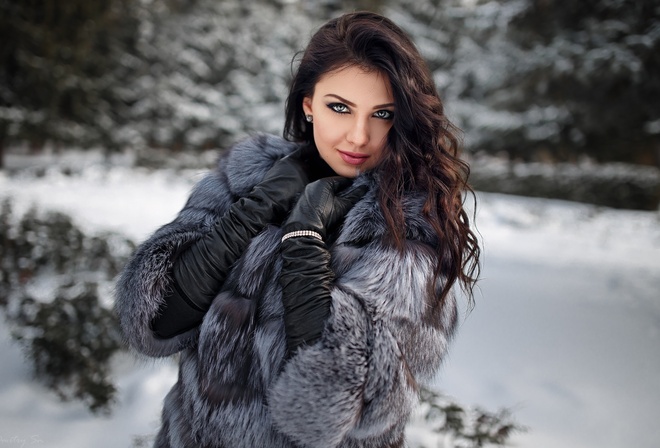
<point>356,85</point>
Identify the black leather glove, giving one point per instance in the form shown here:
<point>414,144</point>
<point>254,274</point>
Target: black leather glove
<point>200,270</point>
<point>306,275</point>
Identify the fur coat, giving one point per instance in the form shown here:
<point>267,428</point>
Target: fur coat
<point>355,387</point>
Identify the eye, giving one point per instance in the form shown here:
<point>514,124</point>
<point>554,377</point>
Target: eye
<point>384,114</point>
<point>340,108</point>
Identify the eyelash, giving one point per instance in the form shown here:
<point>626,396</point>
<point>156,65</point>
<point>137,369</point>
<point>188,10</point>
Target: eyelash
<point>335,107</point>
<point>341,108</point>
<point>388,114</point>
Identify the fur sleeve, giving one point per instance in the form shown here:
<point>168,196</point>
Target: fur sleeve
<point>361,379</point>
<point>146,278</point>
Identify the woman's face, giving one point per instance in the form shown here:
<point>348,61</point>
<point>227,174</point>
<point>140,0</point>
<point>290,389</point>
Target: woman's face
<point>352,113</point>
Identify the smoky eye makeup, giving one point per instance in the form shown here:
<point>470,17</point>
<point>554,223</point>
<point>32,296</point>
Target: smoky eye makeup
<point>340,108</point>
<point>384,114</point>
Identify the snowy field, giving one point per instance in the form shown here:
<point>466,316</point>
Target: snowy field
<point>566,329</point>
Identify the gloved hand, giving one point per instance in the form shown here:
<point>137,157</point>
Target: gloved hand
<point>320,207</point>
<point>272,198</point>
<point>200,270</point>
<point>306,276</point>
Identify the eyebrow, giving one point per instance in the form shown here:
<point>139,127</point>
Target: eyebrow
<point>344,100</point>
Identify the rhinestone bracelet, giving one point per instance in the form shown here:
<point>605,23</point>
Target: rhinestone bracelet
<point>302,233</point>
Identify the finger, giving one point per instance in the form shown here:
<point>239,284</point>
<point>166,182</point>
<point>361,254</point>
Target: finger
<point>338,183</point>
<point>354,194</point>
<point>345,202</point>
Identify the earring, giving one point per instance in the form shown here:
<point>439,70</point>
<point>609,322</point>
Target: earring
<point>309,118</point>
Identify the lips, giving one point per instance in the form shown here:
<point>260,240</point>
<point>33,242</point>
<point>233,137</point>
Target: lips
<point>353,158</point>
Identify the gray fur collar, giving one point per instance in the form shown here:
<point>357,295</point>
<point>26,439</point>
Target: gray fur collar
<point>249,160</point>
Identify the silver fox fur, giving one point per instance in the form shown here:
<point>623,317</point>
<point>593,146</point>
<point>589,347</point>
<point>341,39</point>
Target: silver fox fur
<point>356,387</point>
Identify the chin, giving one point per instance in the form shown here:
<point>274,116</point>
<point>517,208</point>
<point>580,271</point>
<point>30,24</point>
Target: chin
<point>348,171</point>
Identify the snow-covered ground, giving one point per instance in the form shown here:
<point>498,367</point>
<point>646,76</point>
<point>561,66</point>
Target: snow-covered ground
<point>566,329</point>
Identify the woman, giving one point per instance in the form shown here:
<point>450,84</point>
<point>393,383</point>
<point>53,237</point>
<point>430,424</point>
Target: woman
<point>307,283</point>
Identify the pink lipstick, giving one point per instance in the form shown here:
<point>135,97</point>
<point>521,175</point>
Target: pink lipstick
<point>353,158</point>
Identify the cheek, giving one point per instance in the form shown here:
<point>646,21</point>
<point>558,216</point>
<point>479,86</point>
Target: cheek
<point>375,160</point>
<point>327,133</point>
<point>380,141</point>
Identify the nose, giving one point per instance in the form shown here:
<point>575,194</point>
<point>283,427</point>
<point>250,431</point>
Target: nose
<point>358,134</point>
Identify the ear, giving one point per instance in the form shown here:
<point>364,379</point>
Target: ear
<point>307,105</point>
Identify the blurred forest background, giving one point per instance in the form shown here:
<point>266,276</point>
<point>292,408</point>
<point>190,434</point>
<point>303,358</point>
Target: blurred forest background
<point>557,99</point>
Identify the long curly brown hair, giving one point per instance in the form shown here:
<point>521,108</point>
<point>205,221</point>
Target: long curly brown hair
<point>423,145</point>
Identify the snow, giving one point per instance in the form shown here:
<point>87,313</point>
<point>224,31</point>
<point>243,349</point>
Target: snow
<point>133,202</point>
<point>565,331</point>
<point>567,320</point>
